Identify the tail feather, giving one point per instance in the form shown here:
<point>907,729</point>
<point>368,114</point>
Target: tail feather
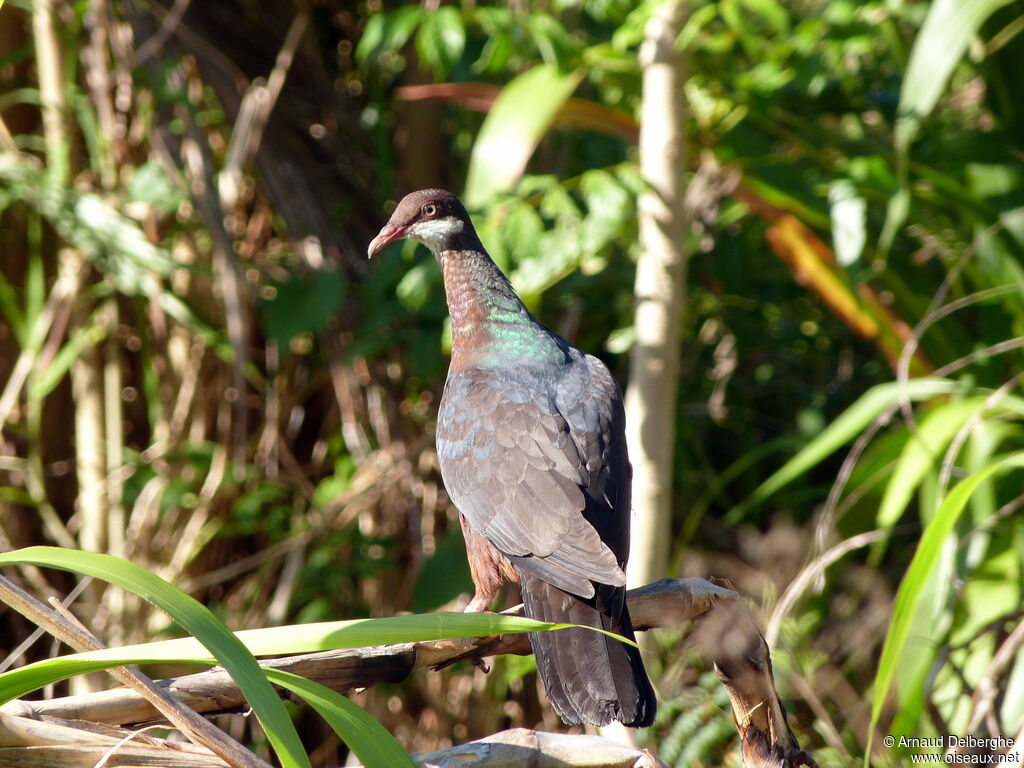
<point>589,677</point>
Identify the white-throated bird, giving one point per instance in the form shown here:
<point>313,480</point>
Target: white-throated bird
<point>530,437</point>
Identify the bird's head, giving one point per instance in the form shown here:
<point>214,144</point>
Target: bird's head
<point>433,217</point>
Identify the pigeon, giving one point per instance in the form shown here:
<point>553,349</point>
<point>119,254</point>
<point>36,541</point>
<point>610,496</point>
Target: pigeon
<point>532,450</point>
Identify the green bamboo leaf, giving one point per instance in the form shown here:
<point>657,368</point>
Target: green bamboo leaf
<point>326,635</point>
<point>387,31</point>
<point>302,638</point>
<point>939,46</point>
<point>441,40</point>
<point>196,619</point>
<point>367,738</point>
<point>35,287</point>
<point>521,115</point>
<point>85,336</point>
<point>844,429</point>
<point>926,558</point>
<point>921,453</point>
<point>11,310</point>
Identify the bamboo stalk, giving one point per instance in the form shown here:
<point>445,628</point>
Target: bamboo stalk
<point>51,91</point>
<point>659,292</point>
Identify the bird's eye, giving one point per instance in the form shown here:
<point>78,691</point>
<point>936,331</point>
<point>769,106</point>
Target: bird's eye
<point>429,209</point>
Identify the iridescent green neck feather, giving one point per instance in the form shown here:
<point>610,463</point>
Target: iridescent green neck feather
<point>490,325</point>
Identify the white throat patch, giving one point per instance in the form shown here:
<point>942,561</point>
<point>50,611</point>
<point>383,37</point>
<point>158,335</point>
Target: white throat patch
<point>435,233</point>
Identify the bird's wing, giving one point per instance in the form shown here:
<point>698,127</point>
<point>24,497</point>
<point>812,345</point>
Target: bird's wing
<point>589,399</point>
<point>526,462</point>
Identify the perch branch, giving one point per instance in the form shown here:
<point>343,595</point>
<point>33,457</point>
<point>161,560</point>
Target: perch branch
<point>663,603</point>
<point>726,634</point>
<point>728,637</point>
<point>521,746</point>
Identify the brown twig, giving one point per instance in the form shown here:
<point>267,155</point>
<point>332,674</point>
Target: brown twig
<point>740,654</point>
<point>193,725</point>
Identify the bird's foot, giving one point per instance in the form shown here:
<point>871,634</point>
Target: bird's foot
<point>477,605</point>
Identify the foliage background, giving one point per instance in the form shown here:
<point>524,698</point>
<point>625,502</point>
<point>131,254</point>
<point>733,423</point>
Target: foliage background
<point>203,374</point>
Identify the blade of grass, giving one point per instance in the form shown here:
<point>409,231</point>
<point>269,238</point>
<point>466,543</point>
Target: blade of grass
<point>87,335</point>
<point>303,638</point>
<point>908,597</point>
<point>368,739</point>
<point>921,453</point>
<point>196,619</point>
<point>844,429</point>
<point>939,46</point>
<point>321,636</point>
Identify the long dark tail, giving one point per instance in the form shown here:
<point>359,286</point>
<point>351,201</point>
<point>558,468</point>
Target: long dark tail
<point>589,677</point>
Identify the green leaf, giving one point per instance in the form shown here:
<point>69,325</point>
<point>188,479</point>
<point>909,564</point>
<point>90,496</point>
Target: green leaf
<point>609,207</point>
<point>925,559</point>
<point>522,113</point>
<point>11,310</point>
<point>550,37</point>
<point>195,618</point>
<point>521,230</point>
<point>896,212</point>
<point>417,284</point>
<point>35,291</point>
<point>774,13</point>
<point>149,184</point>
<point>388,31</point>
<point>372,744</point>
<point>843,430</point>
<point>922,452</point>
<point>498,25</point>
<point>272,641</point>
<point>939,46</point>
<point>329,635</point>
<point>302,304</point>
<point>441,40</point>
<point>87,335</point>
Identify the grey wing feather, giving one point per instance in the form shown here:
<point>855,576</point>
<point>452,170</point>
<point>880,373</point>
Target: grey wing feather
<point>519,458</point>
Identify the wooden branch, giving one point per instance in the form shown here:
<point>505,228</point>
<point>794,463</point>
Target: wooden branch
<point>666,602</point>
<point>726,634</point>
<point>89,755</point>
<point>521,746</point>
